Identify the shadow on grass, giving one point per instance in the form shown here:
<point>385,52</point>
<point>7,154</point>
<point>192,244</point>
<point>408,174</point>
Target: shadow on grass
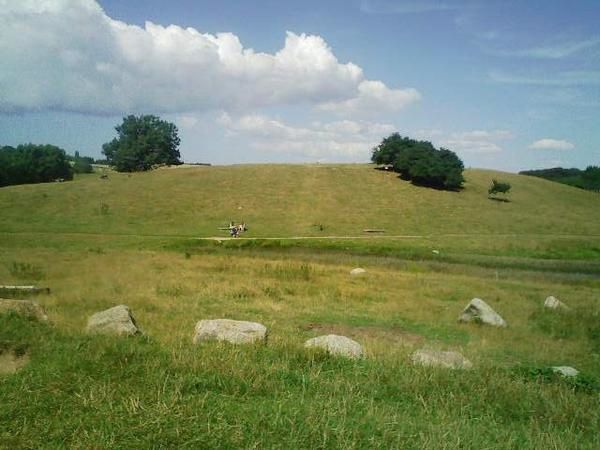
<point>501,200</point>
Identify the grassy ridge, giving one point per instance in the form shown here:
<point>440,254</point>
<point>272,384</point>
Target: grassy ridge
<point>301,200</point>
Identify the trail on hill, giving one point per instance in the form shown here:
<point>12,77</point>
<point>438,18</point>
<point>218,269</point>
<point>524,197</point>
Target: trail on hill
<point>273,238</point>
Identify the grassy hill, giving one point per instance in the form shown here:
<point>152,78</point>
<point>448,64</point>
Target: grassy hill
<point>294,200</point>
<point>129,239</point>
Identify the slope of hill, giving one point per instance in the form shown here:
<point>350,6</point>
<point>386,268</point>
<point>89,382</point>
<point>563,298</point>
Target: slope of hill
<point>294,200</point>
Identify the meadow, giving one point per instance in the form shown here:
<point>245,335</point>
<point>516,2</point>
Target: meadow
<point>161,391</point>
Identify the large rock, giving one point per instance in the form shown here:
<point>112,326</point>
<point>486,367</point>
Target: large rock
<point>480,312</point>
<point>233,331</point>
<point>337,345</point>
<point>358,271</point>
<point>436,358</point>
<point>117,320</point>
<point>25,308</point>
<point>566,371</point>
<point>554,303</point>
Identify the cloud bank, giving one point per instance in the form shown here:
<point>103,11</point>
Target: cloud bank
<point>551,144</point>
<point>346,140</point>
<point>68,55</point>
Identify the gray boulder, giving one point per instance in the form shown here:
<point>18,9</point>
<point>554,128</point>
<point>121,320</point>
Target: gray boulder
<point>233,331</point>
<point>337,345</point>
<point>565,371</point>
<point>25,308</point>
<point>117,320</point>
<point>554,303</point>
<point>480,312</point>
<point>358,271</point>
<point>436,358</point>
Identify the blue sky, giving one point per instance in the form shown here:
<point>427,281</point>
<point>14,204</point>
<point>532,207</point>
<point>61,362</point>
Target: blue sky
<point>508,85</point>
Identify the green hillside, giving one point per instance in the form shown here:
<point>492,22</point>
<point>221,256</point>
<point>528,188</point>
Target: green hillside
<point>130,239</point>
<point>294,200</point>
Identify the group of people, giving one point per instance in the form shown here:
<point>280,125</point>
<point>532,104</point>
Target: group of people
<point>236,230</point>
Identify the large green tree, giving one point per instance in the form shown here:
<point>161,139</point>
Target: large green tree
<point>420,162</point>
<point>142,142</point>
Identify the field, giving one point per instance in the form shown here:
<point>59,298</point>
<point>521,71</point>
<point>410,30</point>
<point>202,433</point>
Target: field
<point>133,239</point>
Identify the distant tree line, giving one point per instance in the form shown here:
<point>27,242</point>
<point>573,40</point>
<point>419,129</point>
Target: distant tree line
<point>584,179</point>
<point>420,162</point>
<point>29,163</point>
<point>81,164</point>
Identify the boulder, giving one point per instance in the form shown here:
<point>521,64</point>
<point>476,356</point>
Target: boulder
<point>554,303</point>
<point>233,331</point>
<point>117,320</point>
<point>480,312</point>
<point>565,371</point>
<point>357,271</point>
<point>25,308</point>
<point>436,358</point>
<point>337,345</point>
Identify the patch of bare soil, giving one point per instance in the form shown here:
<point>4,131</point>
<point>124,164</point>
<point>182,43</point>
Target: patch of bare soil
<point>11,361</point>
<point>393,335</point>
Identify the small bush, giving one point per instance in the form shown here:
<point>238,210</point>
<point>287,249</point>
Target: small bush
<point>499,187</point>
<point>581,382</point>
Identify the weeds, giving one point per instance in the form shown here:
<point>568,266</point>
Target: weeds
<point>26,271</point>
<point>289,271</point>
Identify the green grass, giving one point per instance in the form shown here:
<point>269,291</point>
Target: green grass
<point>130,239</point>
<point>133,393</point>
<point>294,200</point>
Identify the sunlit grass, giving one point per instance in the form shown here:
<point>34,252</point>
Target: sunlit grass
<point>161,391</point>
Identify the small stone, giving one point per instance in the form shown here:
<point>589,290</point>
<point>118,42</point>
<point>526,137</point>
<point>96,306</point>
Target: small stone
<point>25,308</point>
<point>337,345</point>
<point>554,303</point>
<point>357,271</point>
<point>232,331</point>
<point>436,358</point>
<point>479,311</point>
<point>117,320</point>
<point>566,371</point>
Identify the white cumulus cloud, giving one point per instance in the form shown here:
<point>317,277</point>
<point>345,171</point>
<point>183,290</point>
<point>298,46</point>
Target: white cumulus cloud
<point>339,140</point>
<point>68,55</point>
<point>551,144</point>
<point>373,97</point>
<point>477,141</point>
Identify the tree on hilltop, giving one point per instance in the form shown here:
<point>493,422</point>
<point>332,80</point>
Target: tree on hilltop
<point>142,142</point>
<point>420,162</point>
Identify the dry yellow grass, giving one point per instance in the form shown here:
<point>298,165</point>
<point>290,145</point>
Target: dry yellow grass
<point>391,310</point>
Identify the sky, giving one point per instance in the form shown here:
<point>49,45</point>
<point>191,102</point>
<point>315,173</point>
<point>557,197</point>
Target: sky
<point>507,85</point>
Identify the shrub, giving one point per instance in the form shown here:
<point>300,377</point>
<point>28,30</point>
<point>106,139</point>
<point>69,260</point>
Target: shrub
<point>499,187</point>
